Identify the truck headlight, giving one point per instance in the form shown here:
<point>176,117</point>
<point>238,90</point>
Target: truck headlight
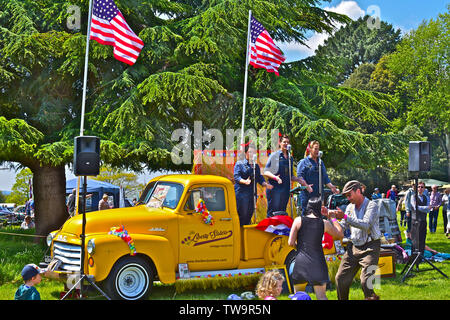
<point>50,238</point>
<point>90,246</point>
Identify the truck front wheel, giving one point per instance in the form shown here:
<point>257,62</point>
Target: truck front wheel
<point>289,262</point>
<point>131,278</point>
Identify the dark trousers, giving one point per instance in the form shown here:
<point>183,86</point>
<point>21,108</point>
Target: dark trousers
<point>277,200</point>
<point>433,217</point>
<point>408,222</point>
<point>402,218</point>
<point>444,216</point>
<point>365,257</point>
<point>245,207</point>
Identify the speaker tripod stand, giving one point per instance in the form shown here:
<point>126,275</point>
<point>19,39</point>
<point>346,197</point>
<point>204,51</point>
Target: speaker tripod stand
<point>418,233</point>
<point>418,258</point>
<point>84,276</point>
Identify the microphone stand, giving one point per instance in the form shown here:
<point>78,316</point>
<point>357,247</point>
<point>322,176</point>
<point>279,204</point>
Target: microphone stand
<point>289,147</point>
<point>320,177</point>
<point>255,197</point>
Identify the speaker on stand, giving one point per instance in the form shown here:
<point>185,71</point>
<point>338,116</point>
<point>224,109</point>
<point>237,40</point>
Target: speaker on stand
<point>86,162</point>
<point>419,156</point>
<point>86,156</point>
<point>419,161</point>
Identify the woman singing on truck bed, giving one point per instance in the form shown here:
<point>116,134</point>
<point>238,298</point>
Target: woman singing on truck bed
<point>244,184</point>
<point>277,170</point>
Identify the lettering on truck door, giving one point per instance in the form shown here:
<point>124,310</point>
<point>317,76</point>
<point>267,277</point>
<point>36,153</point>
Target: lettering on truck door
<point>203,246</point>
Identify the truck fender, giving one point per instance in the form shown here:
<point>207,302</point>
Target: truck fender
<point>110,248</point>
<point>276,250</point>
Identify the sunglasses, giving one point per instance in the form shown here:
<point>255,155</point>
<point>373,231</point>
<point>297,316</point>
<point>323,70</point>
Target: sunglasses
<point>420,187</point>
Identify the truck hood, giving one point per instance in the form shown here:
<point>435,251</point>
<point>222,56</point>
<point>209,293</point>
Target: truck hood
<point>140,219</point>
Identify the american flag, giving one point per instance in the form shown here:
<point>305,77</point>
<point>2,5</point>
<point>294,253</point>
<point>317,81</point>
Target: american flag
<point>263,51</point>
<point>276,224</point>
<point>109,27</point>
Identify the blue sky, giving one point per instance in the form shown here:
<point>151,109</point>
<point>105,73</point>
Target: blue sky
<point>403,14</point>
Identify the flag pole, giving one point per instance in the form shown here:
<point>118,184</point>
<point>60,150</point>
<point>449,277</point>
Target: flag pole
<point>246,75</point>
<point>83,101</point>
<point>86,62</point>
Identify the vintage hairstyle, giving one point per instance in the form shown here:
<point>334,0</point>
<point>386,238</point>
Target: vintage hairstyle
<point>267,284</point>
<point>309,147</point>
<point>314,206</point>
<point>281,137</point>
<point>249,145</point>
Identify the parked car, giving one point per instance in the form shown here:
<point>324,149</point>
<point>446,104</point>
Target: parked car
<point>20,209</point>
<point>7,217</point>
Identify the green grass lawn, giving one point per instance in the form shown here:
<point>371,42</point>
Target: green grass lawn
<point>17,251</point>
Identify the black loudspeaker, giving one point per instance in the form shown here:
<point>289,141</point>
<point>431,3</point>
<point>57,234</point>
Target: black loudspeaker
<point>419,156</point>
<point>418,234</point>
<point>86,156</point>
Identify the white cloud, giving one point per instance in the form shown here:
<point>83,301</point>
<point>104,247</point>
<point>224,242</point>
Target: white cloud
<point>295,51</point>
<point>404,31</point>
<point>349,8</point>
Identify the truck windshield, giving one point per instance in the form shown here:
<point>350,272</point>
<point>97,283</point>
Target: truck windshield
<point>165,194</point>
<point>145,196</point>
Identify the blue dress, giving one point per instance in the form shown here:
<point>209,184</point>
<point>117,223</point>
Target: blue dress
<point>245,193</point>
<point>278,197</point>
<point>308,169</point>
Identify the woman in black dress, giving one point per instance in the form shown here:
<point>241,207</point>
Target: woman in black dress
<point>307,232</point>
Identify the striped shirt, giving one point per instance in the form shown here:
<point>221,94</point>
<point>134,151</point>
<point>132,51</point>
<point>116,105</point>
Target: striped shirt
<point>363,222</point>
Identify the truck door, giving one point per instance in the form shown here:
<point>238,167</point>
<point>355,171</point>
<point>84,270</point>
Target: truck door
<point>204,246</point>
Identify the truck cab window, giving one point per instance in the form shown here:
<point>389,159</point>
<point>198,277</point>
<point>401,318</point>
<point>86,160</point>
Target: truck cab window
<point>165,194</point>
<point>214,198</point>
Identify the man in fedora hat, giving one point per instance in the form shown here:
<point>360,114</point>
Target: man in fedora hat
<point>362,216</point>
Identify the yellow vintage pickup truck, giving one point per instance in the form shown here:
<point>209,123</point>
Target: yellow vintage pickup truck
<point>167,235</point>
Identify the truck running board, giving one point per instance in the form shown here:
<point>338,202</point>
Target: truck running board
<point>220,273</point>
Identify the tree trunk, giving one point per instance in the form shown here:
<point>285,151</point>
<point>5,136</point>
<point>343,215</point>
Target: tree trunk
<point>447,150</point>
<point>49,189</point>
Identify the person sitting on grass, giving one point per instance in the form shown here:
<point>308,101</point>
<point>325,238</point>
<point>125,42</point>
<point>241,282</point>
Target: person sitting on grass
<point>270,285</point>
<point>31,275</point>
<point>27,223</point>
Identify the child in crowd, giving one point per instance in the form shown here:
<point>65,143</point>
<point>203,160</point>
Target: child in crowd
<point>270,285</point>
<point>31,275</point>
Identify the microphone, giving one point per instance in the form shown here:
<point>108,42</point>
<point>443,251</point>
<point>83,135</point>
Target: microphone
<point>255,157</point>
<point>289,147</point>
<point>320,154</point>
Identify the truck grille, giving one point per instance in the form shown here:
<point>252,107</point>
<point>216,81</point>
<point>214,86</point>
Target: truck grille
<point>69,255</point>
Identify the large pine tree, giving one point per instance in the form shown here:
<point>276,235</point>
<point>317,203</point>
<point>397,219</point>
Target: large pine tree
<point>191,68</point>
<point>352,45</point>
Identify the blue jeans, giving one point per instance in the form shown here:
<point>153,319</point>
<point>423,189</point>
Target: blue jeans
<point>277,200</point>
<point>433,217</point>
